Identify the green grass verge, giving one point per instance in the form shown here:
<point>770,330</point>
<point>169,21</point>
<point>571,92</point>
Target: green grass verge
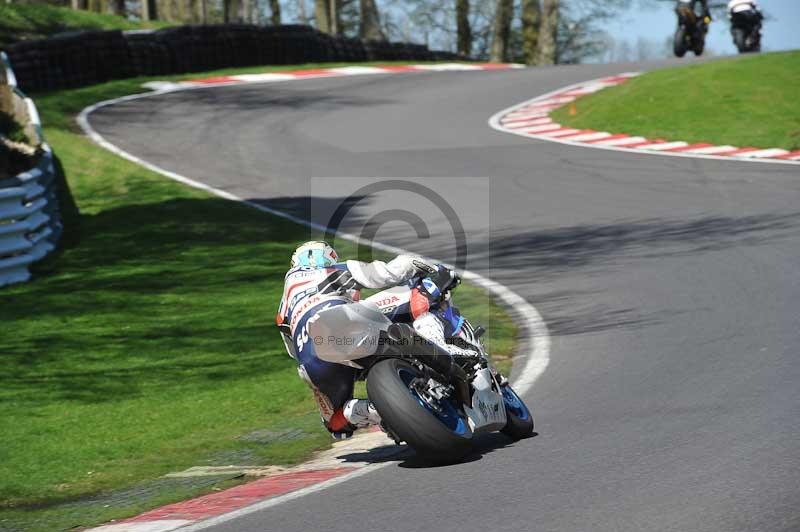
<point>149,347</point>
<point>39,20</point>
<point>746,101</point>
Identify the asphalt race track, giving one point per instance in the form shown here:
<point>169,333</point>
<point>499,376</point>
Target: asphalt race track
<point>670,287</point>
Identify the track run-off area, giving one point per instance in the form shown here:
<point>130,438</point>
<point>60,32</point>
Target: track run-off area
<point>669,287</point>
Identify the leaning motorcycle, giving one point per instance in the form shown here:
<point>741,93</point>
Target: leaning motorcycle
<point>433,401</point>
<point>746,28</point>
<point>691,31</point>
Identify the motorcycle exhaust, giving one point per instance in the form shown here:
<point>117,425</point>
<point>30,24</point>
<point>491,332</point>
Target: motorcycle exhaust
<point>437,358</point>
<point>434,356</point>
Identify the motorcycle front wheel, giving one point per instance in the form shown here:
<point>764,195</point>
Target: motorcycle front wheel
<point>679,43</point>
<point>519,422</point>
<point>435,429</point>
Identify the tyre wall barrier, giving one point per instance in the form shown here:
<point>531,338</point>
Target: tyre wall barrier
<point>85,58</point>
<point>31,224</point>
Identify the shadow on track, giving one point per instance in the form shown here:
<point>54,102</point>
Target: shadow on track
<point>553,251</point>
<point>269,99</point>
<point>482,445</point>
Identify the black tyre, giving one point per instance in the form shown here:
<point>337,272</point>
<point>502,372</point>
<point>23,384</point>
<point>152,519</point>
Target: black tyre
<point>437,432</point>
<point>699,45</point>
<point>520,419</point>
<point>754,42</point>
<point>679,42</point>
<point>739,40</point>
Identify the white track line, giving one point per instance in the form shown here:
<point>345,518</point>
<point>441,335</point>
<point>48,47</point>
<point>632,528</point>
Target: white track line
<point>540,129</point>
<point>534,336</point>
<point>771,152</point>
<point>590,136</point>
<point>658,146</point>
<point>275,501</point>
<point>619,142</point>
<point>160,525</point>
<point>711,150</point>
<point>358,70</point>
<point>265,77</point>
<point>562,132</point>
<point>530,122</point>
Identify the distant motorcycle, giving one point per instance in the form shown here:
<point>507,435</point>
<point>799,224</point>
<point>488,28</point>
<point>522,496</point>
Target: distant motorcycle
<point>691,31</point>
<point>745,25</point>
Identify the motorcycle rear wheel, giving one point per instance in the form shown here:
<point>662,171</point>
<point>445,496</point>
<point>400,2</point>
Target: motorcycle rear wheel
<point>699,45</point>
<point>679,43</point>
<point>437,432</point>
<point>739,40</point>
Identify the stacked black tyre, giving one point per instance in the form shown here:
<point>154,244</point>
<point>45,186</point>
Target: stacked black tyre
<point>86,58</point>
<point>71,60</point>
<point>149,55</point>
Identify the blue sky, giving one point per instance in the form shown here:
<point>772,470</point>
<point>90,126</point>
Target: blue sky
<point>780,32</point>
<point>655,23</point>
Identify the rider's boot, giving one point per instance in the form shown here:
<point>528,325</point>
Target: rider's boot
<point>361,413</point>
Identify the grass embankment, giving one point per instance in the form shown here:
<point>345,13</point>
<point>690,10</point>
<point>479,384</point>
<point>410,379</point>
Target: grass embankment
<point>745,101</point>
<point>36,21</point>
<point>150,347</point>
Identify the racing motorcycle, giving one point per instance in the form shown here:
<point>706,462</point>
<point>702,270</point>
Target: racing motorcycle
<point>691,31</point>
<point>426,397</point>
<point>746,27</point>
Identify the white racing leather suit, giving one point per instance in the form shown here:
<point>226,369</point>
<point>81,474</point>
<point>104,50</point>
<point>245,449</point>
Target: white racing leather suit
<point>735,6</point>
<point>307,291</point>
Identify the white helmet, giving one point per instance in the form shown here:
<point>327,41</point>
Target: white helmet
<point>314,254</point>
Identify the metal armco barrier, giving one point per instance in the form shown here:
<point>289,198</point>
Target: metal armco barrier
<point>30,221</point>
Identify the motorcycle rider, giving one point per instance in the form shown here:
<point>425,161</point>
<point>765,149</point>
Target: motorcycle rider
<point>744,15</point>
<point>317,281</point>
<point>692,4</point>
<point>735,6</point>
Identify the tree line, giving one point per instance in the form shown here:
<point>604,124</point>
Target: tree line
<point>535,32</point>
